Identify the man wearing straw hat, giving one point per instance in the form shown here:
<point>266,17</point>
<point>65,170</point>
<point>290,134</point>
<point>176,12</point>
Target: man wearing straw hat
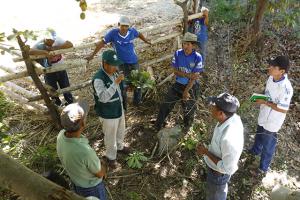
<point>187,65</point>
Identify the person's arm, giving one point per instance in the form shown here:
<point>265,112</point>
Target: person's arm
<point>104,94</point>
<point>271,105</point>
<point>67,44</point>
<point>205,13</point>
<point>186,95</point>
<point>99,46</point>
<point>102,172</point>
<point>203,151</point>
<point>142,37</point>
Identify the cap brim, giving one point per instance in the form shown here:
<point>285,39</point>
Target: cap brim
<point>85,106</point>
<point>211,100</point>
<point>115,63</point>
<point>124,24</point>
<point>272,62</point>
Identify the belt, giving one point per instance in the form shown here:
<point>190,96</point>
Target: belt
<point>216,172</point>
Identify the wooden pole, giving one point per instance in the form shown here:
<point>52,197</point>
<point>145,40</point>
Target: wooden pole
<point>183,5</point>
<point>28,184</point>
<point>30,69</point>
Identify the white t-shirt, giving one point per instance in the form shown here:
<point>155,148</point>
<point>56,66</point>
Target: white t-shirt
<point>281,93</point>
<point>227,144</point>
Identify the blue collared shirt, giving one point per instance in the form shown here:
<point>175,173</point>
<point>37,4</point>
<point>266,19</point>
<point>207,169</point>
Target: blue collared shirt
<point>123,45</point>
<point>187,63</point>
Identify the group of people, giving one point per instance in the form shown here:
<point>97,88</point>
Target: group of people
<point>87,171</point>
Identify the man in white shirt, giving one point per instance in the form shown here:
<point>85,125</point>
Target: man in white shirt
<point>226,146</point>
<point>272,113</point>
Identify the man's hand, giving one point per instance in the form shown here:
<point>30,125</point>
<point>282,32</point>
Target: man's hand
<point>201,149</point>
<point>119,79</point>
<point>260,101</point>
<point>89,58</point>
<point>194,76</point>
<point>104,167</point>
<point>185,95</point>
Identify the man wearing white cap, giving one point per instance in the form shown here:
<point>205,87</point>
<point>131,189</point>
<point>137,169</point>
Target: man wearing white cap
<point>77,156</point>
<point>121,39</point>
<point>43,47</point>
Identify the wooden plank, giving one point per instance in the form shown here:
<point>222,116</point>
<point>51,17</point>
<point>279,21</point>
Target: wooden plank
<point>156,60</point>
<point>61,91</point>
<point>160,39</point>
<point>166,79</point>
<point>22,100</point>
<point>20,90</point>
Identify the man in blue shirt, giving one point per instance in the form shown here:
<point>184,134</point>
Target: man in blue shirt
<point>187,65</point>
<point>199,27</point>
<point>54,79</point>
<point>122,41</point>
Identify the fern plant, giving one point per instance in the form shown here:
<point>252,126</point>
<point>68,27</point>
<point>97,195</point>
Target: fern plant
<point>135,159</point>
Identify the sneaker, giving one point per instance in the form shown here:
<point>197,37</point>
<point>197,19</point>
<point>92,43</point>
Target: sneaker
<point>125,150</point>
<point>112,164</point>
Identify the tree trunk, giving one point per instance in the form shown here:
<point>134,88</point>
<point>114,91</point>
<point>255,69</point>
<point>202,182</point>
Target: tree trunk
<point>260,9</point>
<point>30,69</point>
<point>28,184</point>
<point>183,5</point>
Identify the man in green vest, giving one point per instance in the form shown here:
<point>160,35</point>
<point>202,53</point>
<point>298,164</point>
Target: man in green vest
<point>108,87</point>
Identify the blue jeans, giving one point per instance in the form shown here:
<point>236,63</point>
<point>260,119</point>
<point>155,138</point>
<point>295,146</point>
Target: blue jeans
<point>96,191</point>
<point>137,93</point>
<point>265,145</point>
<point>59,78</point>
<point>217,187</point>
<point>202,46</point>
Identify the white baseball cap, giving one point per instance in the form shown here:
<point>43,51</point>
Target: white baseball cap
<point>124,21</point>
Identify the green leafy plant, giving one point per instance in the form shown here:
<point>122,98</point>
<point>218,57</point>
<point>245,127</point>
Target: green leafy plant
<point>135,159</point>
<point>133,196</point>
<point>141,79</point>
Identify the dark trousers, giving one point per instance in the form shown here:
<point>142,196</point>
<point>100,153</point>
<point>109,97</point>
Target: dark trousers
<point>137,93</point>
<point>59,78</point>
<point>96,191</point>
<point>265,145</point>
<point>173,96</point>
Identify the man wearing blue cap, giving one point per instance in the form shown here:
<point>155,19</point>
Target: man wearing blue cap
<point>54,79</point>
<point>108,95</point>
<point>226,146</point>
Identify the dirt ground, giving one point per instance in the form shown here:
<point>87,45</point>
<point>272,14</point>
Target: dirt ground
<point>181,174</point>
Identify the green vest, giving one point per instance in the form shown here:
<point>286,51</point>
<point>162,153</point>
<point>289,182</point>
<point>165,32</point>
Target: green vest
<point>111,109</point>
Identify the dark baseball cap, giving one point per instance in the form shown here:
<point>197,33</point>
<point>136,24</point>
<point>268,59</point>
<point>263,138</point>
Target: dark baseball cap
<point>110,57</point>
<point>72,114</point>
<point>225,102</point>
<point>280,61</point>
